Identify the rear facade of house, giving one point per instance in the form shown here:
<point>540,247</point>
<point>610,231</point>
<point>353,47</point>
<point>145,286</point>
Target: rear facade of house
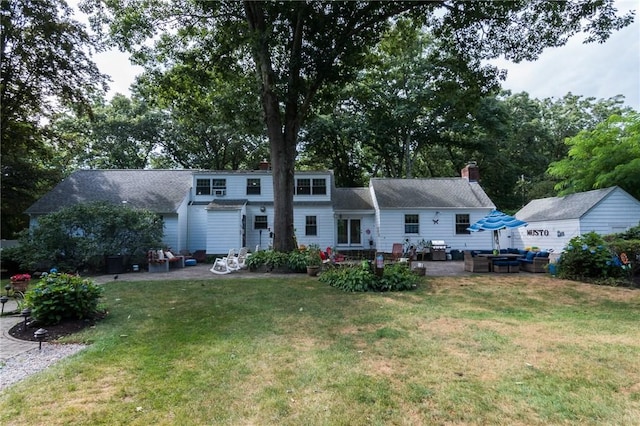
<point>218,210</point>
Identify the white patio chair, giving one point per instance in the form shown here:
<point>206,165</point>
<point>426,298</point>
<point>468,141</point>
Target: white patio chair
<point>225,265</point>
<point>242,257</point>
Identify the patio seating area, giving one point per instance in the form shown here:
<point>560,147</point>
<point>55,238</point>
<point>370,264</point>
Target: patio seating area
<point>506,261</point>
<point>162,261</point>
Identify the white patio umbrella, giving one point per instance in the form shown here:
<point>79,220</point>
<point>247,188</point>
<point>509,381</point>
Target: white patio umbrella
<point>495,221</point>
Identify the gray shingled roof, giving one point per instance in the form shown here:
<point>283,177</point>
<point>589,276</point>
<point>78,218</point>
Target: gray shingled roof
<point>572,206</point>
<point>160,191</point>
<point>352,199</point>
<point>429,193</point>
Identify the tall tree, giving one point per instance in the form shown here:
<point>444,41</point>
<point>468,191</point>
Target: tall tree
<point>44,66</point>
<point>121,134</point>
<point>297,48</point>
<point>606,156</point>
<point>213,115</point>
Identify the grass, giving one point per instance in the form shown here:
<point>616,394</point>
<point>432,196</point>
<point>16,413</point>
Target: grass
<point>486,349</point>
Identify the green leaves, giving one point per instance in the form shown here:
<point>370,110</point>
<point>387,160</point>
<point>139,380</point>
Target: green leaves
<point>360,278</point>
<point>79,237</point>
<point>45,66</point>
<point>59,296</point>
<point>605,156</point>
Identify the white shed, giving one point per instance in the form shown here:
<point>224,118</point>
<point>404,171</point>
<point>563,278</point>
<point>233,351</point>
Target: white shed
<point>556,220</point>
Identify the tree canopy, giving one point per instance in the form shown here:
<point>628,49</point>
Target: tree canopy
<point>45,65</point>
<point>295,49</point>
<point>605,156</point>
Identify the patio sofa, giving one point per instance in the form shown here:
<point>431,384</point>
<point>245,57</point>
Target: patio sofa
<point>534,261</point>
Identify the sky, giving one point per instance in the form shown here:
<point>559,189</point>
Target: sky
<point>594,70</point>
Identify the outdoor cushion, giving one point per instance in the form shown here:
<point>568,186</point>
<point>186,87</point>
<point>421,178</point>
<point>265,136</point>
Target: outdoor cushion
<point>190,262</point>
<point>543,254</point>
<point>530,255</point>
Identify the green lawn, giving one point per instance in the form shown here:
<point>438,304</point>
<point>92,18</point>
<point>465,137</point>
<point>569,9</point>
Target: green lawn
<point>486,349</point>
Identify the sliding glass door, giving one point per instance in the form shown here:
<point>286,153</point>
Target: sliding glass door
<point>349,232</point>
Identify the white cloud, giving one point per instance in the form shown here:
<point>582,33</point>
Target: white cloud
<point>591,70</point>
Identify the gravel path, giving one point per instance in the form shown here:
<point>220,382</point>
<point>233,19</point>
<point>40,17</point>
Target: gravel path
<point>21,366</point>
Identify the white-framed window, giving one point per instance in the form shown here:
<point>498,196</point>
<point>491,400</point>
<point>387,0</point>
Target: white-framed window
<point>303,186</point>
<point>307,186</point>
<point>219,187</point>
<point>319,186</point>
<point>411,224</point>
<point>462,223</point>
<point>311,225</point>
<point>260,222</point>
<point>253,186</point>
<point>203,186</point>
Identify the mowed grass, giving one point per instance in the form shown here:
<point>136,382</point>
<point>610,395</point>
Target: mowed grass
<point>486,349</point>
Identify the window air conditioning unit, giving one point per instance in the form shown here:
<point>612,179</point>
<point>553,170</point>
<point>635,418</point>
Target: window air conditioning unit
<point>220,192</point>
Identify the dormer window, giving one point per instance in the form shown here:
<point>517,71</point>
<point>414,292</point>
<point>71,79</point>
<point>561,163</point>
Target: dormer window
<point>311,186</point>
<point>219,187</point>
<point>303,187</point>
<point>203,186</point>
<point>319,187</point>
<point>253,186</point>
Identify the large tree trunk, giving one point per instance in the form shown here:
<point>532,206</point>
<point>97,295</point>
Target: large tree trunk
<point>282,140</point>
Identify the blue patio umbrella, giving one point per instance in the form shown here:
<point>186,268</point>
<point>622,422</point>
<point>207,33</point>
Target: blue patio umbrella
<point>495,221</point>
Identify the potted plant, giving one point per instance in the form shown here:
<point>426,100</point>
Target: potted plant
<point>19,282</point>
<point>314,261</point>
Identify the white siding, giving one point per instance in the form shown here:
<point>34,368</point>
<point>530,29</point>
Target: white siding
<point>391,229</point>
<point>170,238</point>
<point>616,213</point>
<point>183,226</point>
<point>197,226</point>
<point>223,231</point>
<point>253,236</point>
<point>369,224</point>
<point>546,235</point>
<point>236,187</point>
<point>325,223</point>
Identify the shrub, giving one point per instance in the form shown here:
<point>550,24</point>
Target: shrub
<point>61,296</point>
<point>588,258</point>
<point>627,247</point>
<point>297,260</point>
<point>361,278</point>
<point>80,236</point>
<point>397,277</point>
<point>269,259</point>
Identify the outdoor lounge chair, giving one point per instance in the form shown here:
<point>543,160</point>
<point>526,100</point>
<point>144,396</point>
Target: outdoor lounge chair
<point>225,265</point>
<point>396,251</point>
<point>242,257</point>
<point>475,263</point>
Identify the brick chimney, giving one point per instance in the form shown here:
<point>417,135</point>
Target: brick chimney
<point>264,165</point>
<point>471,172</point>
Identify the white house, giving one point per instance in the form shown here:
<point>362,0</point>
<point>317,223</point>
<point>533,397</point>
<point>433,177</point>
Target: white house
<point>218,210</point>
<point>554,221</point>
